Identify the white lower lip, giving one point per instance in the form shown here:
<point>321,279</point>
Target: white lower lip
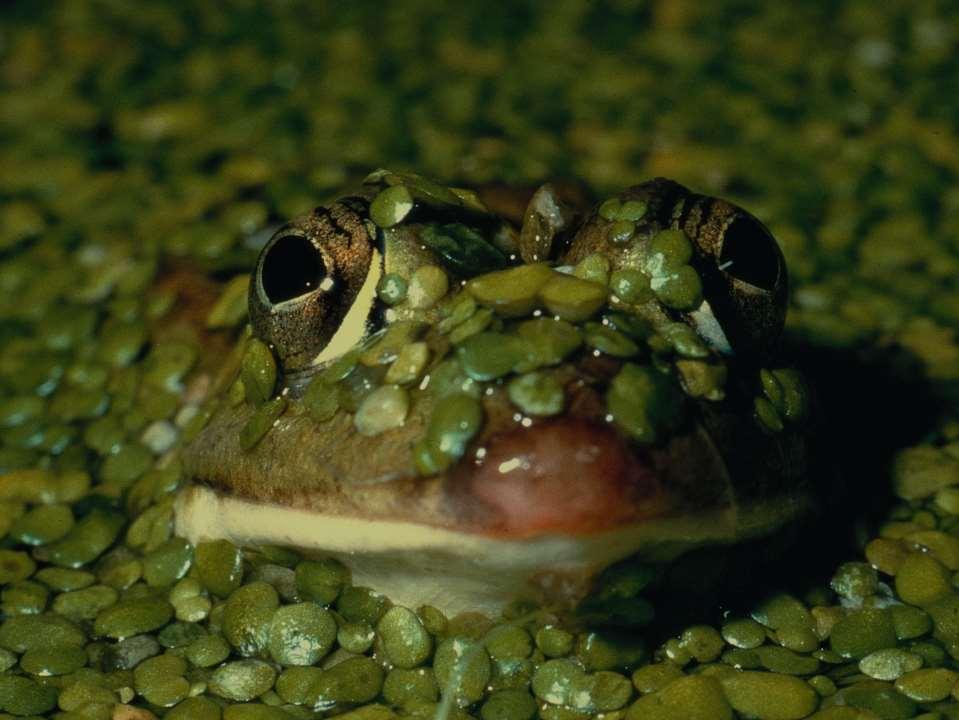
<point>416,564</point>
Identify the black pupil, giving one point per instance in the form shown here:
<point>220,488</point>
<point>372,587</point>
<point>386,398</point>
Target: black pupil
<point>749,254</point>
<point>292,267</point>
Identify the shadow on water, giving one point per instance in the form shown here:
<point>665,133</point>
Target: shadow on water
<point>871,404</point>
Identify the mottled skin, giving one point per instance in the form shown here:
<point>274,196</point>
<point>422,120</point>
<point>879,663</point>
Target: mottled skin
<point>575,475</point>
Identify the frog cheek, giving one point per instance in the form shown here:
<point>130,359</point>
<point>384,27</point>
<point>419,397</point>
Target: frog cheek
<point>744,280</point>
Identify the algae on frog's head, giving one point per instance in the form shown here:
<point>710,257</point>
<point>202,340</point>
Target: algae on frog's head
<point>588,379</point>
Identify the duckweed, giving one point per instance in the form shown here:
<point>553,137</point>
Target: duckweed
<point>86,541</point>
<point>21,633</point>
<point>132,617</point>
<point>247,617</point>
<point>643,403</point>
<point>554,641</point>
<point>160,681</point>
<point>630,286</point>
<point>195,708</point>
<point>609,341</point>
<point>392,288</point>
<point>293,684</point>
<point>15,566</point>
<point>321,580</point>
<point>879,698</point>
<point>130,185</point>
<point>862,632</point>
<point>362,604</point>
<point>261,421</point>
<point>406,687</point>
<point>553,681</point>
<point>548,342</point>
<point>889,664</point>
<point>391,205</point>
<point>692,698</point>
<point>168,563</point>
<point>409,365</point>
<point>354,680</point>
<point>86,603</point>
<point>427,286</point>
<point>258,372</point>
<point>537,393</point>
<point>242,680</point>
<point>230,308</point>
<point>405,641</point>
<point>383,409</point>
<point>921,580</point>
<point>680,290</point>
<point>45,662</point>
<point>455,420</point>
<point>355,637</point>
<point>22,696</point>
<point>489,355</point>
<point>593,267</point>
<point>769,696</point>
<point>927,685</point>
<point>321,400</point>
<point>744,633</point>
<point>42,525</point>
<point>621,232</point>
<point>219,566</point>
<point>513,292</point>
<point>571,298</point>
<point>462,667</point>
<point>509,705</point>
<point>301,634</point>
<point>476,323</point>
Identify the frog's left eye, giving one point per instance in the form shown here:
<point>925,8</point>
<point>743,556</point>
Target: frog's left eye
<point>293,267</point>
<point>314,287</point>
<point>744,281</point>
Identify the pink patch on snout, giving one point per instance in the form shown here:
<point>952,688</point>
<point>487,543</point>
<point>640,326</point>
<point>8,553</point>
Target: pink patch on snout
<point>568,476</point>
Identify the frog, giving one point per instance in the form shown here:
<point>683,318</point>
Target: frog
<point>477,396</point>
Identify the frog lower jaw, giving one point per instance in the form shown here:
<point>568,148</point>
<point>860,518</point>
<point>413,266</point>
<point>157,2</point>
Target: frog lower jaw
<point>416,564</point>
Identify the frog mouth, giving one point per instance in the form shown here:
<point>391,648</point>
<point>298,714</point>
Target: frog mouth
<point>456,571</point>
<point>538,515</point>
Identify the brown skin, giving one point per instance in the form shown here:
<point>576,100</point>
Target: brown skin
<point>574,475</point>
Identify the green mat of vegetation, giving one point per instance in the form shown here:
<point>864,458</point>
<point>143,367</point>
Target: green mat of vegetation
<point>135,137</point>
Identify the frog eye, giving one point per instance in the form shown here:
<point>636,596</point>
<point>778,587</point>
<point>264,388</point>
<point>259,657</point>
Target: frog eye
<point>744,282</point>
<point>292,267</point>
<point>750,254</point>
<point>314,287</point>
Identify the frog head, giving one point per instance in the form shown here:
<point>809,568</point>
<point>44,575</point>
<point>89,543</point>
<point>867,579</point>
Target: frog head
<point>470,407</point>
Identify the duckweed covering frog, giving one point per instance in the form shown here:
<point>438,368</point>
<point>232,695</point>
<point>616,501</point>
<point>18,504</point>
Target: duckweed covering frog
<point>469,412</point>
<point>139,142</point>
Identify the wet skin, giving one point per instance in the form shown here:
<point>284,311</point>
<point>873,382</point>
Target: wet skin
<point>711,465</point>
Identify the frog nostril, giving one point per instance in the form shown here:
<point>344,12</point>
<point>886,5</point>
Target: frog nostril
<point>292,267</point>
<point>749,254</point>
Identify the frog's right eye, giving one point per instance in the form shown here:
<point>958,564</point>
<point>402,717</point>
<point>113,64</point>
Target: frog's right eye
<point>744,281</point>
<point>314,287</point>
